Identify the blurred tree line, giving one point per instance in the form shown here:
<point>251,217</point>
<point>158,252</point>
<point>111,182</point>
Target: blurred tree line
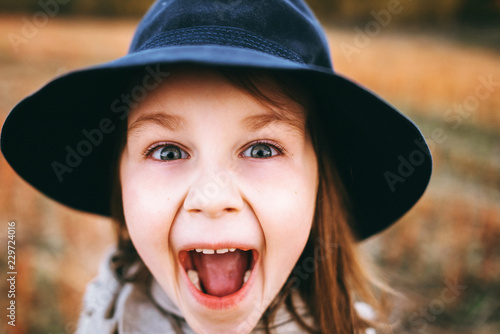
<point>440,12</point>
<point>134,8</point>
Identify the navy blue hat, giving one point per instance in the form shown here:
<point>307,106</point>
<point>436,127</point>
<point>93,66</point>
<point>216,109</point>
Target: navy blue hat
<point>61,138</point>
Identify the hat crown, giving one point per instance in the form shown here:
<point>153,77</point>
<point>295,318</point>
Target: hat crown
<point>284,28</point>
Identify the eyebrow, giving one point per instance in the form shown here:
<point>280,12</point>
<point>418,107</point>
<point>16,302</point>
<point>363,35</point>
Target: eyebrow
<point>259,121</point>
<point>171,122</point>
<point>252,123</point>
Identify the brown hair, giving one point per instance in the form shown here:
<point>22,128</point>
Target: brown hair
<point>339,275</point>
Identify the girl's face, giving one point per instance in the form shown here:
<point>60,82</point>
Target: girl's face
<point>219,193</point>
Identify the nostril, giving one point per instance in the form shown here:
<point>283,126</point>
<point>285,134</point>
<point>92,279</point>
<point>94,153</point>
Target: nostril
<point>213,199</point>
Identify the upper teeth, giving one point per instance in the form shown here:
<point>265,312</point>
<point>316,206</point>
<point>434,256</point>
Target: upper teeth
<point>212,251</point>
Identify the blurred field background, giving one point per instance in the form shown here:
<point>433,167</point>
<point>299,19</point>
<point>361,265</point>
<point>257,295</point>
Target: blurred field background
<point>428,61</point>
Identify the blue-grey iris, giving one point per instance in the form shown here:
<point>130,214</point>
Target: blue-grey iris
<point>170,153</point>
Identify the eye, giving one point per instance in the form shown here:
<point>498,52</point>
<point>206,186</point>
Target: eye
<point>166,152</point>
<point>262,150</point>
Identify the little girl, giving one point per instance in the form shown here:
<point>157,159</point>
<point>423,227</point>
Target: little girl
<point>240,170</point>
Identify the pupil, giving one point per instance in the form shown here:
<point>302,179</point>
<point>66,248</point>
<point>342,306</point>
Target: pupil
<point>261,151</point>
<point>170,153</point>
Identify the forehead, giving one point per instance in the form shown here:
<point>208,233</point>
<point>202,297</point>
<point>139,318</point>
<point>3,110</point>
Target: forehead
<point>190,93</point>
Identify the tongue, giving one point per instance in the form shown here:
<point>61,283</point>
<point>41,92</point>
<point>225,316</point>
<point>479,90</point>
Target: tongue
<point>221,274</point>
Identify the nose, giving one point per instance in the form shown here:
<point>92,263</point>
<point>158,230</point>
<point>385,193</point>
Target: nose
<point>213,194</point>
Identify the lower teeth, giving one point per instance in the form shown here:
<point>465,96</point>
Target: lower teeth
<point>247,275</point>
<point>194,278</point>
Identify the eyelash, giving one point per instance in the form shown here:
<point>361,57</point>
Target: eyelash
<point>150,150</point>
<point>279,148</point>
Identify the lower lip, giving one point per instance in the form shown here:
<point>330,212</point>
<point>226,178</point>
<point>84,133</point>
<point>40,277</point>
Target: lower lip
<point>226,302</point>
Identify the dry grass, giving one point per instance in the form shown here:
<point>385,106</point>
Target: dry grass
<point>452,233</point>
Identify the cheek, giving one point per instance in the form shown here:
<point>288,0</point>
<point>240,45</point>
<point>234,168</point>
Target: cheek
<point>284,196</point>
<point>150,206</point>
<point>284,202</point>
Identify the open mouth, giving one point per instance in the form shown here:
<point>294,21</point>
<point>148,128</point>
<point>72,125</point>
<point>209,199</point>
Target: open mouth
<point>218,272</point>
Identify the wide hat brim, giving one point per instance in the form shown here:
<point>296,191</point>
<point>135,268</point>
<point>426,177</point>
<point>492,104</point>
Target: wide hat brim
<point>382,157</point>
